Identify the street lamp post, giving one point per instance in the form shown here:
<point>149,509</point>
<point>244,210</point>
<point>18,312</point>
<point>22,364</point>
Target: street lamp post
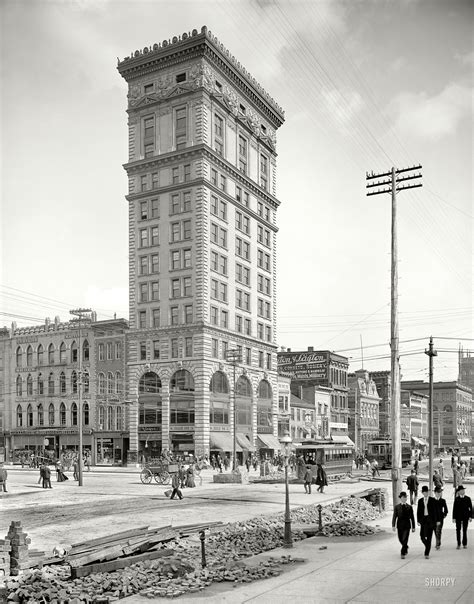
<point>234,357</point>
<point>80,313</point>
<point>286,441</point>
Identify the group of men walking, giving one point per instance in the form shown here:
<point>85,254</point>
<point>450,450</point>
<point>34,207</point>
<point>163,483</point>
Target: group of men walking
<point>430,515</point>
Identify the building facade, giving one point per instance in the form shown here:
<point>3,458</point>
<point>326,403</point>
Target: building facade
<point>202,239</point>
<point>284,405</point>
<point>364,404</point>
<point>414,417</point>
<point>315,374</point>
<point>41,376</point>
<point>383,381</point>
<point>452,412</point>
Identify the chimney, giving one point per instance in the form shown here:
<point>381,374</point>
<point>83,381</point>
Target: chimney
<point>310,348</point>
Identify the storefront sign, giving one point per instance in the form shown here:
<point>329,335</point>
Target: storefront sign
<point>304,365</point>
<point>182,428</point>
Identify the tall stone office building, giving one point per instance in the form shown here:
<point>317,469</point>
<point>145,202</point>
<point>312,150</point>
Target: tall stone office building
<point>202,234</point>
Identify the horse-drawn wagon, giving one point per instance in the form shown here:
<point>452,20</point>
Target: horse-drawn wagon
<point>159,471</point>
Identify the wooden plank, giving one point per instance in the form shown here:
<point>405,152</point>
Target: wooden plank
<point>100,554</point>
<point>107,567</point>
<point>108,538</point>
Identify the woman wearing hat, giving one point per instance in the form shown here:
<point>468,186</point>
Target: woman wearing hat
<point>403,519</point>
<point>462,515</point>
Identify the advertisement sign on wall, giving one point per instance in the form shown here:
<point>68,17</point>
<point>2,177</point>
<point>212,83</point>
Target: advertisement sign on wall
<point>304,365</point>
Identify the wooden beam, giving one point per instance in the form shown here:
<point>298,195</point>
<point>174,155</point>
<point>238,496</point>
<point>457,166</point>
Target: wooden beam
<point>107,567</point>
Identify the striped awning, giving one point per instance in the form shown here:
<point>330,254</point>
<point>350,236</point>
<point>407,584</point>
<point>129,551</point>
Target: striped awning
<point>268,441</point>
<point>244,442</point>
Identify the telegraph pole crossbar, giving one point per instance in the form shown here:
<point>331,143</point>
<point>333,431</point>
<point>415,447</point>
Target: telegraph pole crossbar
<point>392,185</point>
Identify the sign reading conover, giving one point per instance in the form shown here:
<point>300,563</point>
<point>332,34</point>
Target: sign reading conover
<point>304,365</point>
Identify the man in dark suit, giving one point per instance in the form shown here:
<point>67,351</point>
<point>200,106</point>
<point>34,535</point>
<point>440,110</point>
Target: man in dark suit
<point>462,515</point>
<point>427,517</point>
<point>442,513</point>
<point>404,520</point>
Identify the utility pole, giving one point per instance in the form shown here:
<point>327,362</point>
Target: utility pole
<point>391,183</point>
<point>234,357</point>
<point>431,353</point>
<point>81,314</point>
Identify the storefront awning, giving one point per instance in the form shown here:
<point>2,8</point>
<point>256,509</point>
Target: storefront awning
<point>268,441</point>
<point>244,442</point>
<point>342,439</point>
<point>222,441</point>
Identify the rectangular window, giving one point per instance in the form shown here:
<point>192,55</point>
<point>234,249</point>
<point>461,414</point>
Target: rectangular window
<point>214,177</point>
<point>214,208</point>
<point>187,201</point>
<point>219,147</point>
<point>148,128</point>
<point>260,331</point>
<point>155,235</point>
<point>155,263</point>
<point>143,237</point>
<point>269,360</point>
<point>101,352</point>
<point>155,313</point>
<point>214,289</point>
<point>175,259</point>
<point>155,183</point>
<point>143,265</point>
<point>181,77</point>
<point>224,319</point>
<point>175,288</point>
<point>181,127</point>
<point>214,315</point>
<point>248,356</point>
<point>187,258</point>
<point>175,175</point>
<point>142,319</point>
<point>144,182</point>
<point>268,333</point>
<point>174,315</point>
<point>238,193</point>
<point>155,290</point>
<point>243,154</point>
<point>149,149</point>
<point>246,199</point>
<point>156,349</point>
<point>223,292</point>
<point>264,172</point>
<point>223,210</point>
<point>186,229</point>
<point>260,359</point>
<point>242,248</point>
<point>143,292</point>
<point>215,348</point>
<point>174,348</point>
<point>263,260</point>
<point>222,237</point>
<point>188,313</point>
<point>222,264</point>
<point>248,327</point>
<point>225,349</point>
<point>223,182</point>
<point>214,261</point>
<point>188,347</point>
<point>147,88</point>
<point>238,323</point>
<point>175,204</point>
<point>187,289</point>
<point>187,172</point>
<point>155,208</point>
<point>109,352</point>
<point>143,210</point>
<point>218,125</point>
<point>142,351</point>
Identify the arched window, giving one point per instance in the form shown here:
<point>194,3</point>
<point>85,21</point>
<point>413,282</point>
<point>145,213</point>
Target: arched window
<point>149,382</point>
<point>119,419</point>
<point>19,417</point>
<point>182,381</point>
<point>62,353</point>
<point>86,382</point>
<point>85,351</point>
<point>19,386</point>
<point>62,383</point>
<point>110,383</point>
<point>62,414</point>
<point>51,418</point>
<point>40,415</point>
<point>19,357</point>
<point>264,389</point>
<point>40,384</point>
<point>101,417</point>
<point>74,382</point>
<point>243,387</point>
<point>40,354</point>
<point>29,385</point>
<point>51,384</point>
<point>74,414</point>
<point>29,416</point>
<point>219,383</point>
<point>29,356</point>
<point>85,414</point>
<point>118,382</point>
<point>74,357</point>
<point>101,383</point>
<point>51,354</point>
<point>110,418</point>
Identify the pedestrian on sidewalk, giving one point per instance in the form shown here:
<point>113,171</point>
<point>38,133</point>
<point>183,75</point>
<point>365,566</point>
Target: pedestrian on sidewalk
<point>413,484</point>
<point>427,517</point>
<point>308,477</point>
<point>175,482</point>
<point>403,520</point>
<point>75,467</point>
<point>441,469</point>
<point>321,478</point>
<point>415,465</point>
<point>437,481</point>
<point>3,478</point>
<point>442,513</point>
<point>46,477</point>
<point>462,515</point>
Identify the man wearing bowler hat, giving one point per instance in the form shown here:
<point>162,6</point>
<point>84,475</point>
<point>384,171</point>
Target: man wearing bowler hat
<point>462,515</point>
<point>427,518</point>
<point>404,520</point>
<point>442,513</point>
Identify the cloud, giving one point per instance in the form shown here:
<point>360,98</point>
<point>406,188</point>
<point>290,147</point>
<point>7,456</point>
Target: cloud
<point>343,106</point>
<point>465,59</point>
<point>432,117</point>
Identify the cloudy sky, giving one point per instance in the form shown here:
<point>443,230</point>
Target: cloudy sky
<point>365,85</point>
